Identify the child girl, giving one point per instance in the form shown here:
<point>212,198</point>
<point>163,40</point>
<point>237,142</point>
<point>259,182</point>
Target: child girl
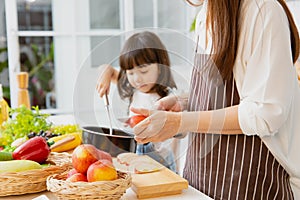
<point>144,78</point>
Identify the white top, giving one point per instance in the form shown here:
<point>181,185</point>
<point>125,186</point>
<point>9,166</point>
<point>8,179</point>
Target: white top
<point>143,100</point>
<point>266,82</point>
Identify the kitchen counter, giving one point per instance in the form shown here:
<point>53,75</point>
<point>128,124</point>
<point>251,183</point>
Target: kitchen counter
<point>190,193</point>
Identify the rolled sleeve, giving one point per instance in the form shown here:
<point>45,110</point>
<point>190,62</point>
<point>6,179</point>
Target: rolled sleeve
<point>267,85</point>
<point>245,121</point>
<point>259,119</point>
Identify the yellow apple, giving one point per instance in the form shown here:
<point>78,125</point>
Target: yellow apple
<point>83,156</point>
<point>102,170</point>
<point>86,154</point>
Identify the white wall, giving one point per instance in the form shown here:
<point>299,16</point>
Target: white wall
<point>294,7</point>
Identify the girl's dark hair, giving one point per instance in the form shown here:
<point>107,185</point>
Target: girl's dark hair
<point>223,18</point>
<point>142,49</point>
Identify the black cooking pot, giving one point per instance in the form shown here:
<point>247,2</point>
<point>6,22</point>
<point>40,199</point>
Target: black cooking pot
<point>118,142</point>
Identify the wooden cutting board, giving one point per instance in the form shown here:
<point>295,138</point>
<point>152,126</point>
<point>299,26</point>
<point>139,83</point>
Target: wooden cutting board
<point>160,183</point>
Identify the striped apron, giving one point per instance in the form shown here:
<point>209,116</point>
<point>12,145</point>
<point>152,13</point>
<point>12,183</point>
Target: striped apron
<point>228,166</point>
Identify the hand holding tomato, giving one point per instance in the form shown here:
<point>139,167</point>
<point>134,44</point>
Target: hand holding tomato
<point>159,125</point>
<point>134,120</point>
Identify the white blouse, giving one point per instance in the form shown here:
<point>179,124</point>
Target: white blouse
<point>143,100</point>
<point>266,81</point>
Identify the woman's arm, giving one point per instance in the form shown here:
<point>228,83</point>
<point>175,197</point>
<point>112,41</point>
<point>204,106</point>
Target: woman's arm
<point>221,121</point>
<point>161,125</point>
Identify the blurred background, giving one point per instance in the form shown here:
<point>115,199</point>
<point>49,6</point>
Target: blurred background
<point>53,39</point>
<point>60,43</point>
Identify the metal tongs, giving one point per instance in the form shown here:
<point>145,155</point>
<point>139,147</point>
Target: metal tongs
<point>106,104</point>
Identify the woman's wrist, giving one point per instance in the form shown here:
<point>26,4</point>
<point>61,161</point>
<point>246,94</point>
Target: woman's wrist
<point>188,122</point>
<point>197,121</point>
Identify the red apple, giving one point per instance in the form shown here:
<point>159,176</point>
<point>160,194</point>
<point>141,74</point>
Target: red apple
<point>77,177</point>
<point>104,155</point>
<point>102,170</point>
<point>71,172</point>
<point>83,156</point>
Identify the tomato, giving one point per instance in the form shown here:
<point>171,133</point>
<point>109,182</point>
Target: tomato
<point>134,120</point>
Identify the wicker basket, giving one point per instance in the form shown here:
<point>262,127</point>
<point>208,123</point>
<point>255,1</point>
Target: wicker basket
<point>33,181</point>
<point>106,190</point>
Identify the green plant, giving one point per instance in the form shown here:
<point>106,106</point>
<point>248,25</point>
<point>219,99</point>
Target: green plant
<point>40,73</point>
<point>24,122</point>
<point>4,65</point>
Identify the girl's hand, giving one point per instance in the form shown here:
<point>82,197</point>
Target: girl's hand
<point>158,126</point>
<point>171,103</point>
<point>106,74</point>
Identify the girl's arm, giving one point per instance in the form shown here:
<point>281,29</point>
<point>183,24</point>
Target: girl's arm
<point>107,74</point>
<point>114,75</point>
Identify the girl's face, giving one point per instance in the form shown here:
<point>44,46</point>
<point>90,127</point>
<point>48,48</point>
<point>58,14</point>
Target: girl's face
<point>143,78</point>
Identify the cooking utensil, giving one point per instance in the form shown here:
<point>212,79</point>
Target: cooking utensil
<point>124,119</point>
<point>125,125</point>
<point>116,143</point>
<point>106,104</point>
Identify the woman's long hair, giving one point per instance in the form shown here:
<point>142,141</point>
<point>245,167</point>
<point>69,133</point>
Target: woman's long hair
<point>223,19</point>
<point>142,49</point>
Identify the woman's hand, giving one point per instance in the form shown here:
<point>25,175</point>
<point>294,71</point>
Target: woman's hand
<point>171,103</point>
<point>106,74</point>
<point>158,126</point>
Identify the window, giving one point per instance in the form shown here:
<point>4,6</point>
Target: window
<point>104,14</point>
<point>85,34</point>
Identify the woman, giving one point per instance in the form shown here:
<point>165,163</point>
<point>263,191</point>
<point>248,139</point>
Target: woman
<point>243,108</point>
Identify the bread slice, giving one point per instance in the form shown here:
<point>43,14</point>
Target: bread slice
<point>144,164</point>
<point>146,168</point>
<point>137,164</point>
<point>126,158</point>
